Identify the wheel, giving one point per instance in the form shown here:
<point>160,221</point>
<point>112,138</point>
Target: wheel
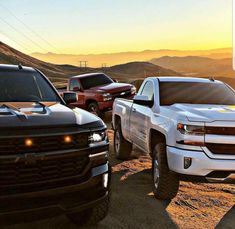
<point>94,109</point>
<point>165,183</point>
<point>122,148</point>
<point>92,216</point>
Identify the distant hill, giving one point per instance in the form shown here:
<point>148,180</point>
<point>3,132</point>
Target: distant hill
<point>139,70</point>
<point>59,74</point>
<point>197,66</point>
<point>96,60</point>
<point>129,72</point>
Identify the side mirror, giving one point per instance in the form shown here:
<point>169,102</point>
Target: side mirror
<point>70,97</point>
<point>115,80</point>
<point>143,100</point>
<point>76,89</point>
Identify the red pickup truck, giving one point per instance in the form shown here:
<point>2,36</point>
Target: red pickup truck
<point>97,91</point>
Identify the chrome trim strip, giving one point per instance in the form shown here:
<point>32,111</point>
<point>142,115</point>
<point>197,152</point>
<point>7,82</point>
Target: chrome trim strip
<point>217,156</point>
<point>105,153</point>
<point>219,139</point>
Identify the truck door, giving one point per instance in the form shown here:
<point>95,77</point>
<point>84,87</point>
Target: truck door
<point>140,118</point>
<point>74,85</point>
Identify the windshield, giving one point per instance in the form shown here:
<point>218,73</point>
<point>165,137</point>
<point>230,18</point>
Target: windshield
<point>25,87</point>
<point>94,81</point>
<point>196,93</point>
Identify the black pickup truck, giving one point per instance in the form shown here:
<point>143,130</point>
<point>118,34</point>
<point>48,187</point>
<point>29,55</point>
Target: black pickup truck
<point>53,159</point>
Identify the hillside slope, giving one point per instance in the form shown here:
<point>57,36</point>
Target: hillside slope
<point>138,70</point>
<point>128,72</point>
<point>59,74</point>
<point>56,73</point>
<point>197,66</point>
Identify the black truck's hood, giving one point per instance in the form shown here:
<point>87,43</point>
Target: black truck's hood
<point>45,114</point>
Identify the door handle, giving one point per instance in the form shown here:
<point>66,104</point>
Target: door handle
<point>133,109</point>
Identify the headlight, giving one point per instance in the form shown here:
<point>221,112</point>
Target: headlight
<point>107,96</point>
<point>97,137</point>
<point>193,135</point>
<point>190,129</point>
<point>133,90</point>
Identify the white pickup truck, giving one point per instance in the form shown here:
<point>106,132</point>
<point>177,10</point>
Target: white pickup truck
<point>187,125</point>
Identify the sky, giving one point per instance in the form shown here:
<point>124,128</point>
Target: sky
<point>108,26</point>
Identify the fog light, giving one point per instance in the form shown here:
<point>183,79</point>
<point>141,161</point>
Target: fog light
<point>187,162</point>
<point>106,180</point>
<point>67,139</point>
<point>28,142</point>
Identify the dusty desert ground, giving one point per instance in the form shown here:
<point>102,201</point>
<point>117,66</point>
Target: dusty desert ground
<point>134,206</point>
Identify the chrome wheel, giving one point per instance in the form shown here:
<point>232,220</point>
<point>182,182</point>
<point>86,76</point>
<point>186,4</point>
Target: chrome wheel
<point>117,142</point>
<point>155,172</point>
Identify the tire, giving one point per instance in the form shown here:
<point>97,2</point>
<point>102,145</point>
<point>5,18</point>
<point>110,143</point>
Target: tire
<point>122,148</point>
<point>92,216</point>
<point>94,109</point>
<point>165,182</point>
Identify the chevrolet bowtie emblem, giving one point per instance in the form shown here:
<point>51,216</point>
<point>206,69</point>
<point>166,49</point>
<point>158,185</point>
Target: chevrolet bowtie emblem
<point>30,158</point>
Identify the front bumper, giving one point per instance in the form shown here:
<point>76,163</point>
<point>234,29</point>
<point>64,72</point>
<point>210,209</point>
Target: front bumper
<point>52,202</point>
<point>108,105</point>
<point>201,165</point>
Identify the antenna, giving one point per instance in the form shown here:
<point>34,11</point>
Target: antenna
<point>20,66</point>
<point>212,79</point>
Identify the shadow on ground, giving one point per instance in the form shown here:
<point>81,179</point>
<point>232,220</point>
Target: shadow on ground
<point>228,221</point>
<point>132,206</point>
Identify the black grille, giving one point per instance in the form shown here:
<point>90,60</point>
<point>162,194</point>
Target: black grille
<point>220,130</point>
<point>42,170</point>
<point>16,145</point>
<point>122,94</point>
<point>225,149</point>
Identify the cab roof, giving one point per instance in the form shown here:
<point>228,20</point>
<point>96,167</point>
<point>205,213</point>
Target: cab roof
<point>186,79</point>
<point>88,74</point>
<point>10,68</point>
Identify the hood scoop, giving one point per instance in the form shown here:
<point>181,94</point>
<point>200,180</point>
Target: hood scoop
<point>22,113</point>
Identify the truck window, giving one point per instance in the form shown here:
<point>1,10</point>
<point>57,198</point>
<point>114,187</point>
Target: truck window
<point>196,93</point>
<point>95,81</point>
<point>148,90</point>
<point>74,84</point>
<point>25,87</point>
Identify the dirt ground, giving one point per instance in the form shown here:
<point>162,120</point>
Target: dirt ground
<point>134,206</point>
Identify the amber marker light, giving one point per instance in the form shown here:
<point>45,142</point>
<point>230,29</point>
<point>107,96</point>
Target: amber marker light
<point>180,126</point>
<point>67,139</point>
<point>28,142</point>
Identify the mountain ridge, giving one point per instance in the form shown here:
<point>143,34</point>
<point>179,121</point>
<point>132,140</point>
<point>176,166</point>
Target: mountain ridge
<point>59,74</point>
<point>96,60</point>
<point>197,66</point>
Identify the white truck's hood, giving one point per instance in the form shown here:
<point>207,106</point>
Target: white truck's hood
<point>206,113</point>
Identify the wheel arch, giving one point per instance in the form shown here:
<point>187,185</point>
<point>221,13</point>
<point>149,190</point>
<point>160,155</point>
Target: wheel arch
<point>89,101</point>
<point>117,119</point>
<point>155,137</point>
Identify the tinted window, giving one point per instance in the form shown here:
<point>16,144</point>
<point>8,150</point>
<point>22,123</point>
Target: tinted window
<point>74,84</point>
<point>196,93</point>
<point>148,90</point>
<point>25,87</point>
<point>95,80</point>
